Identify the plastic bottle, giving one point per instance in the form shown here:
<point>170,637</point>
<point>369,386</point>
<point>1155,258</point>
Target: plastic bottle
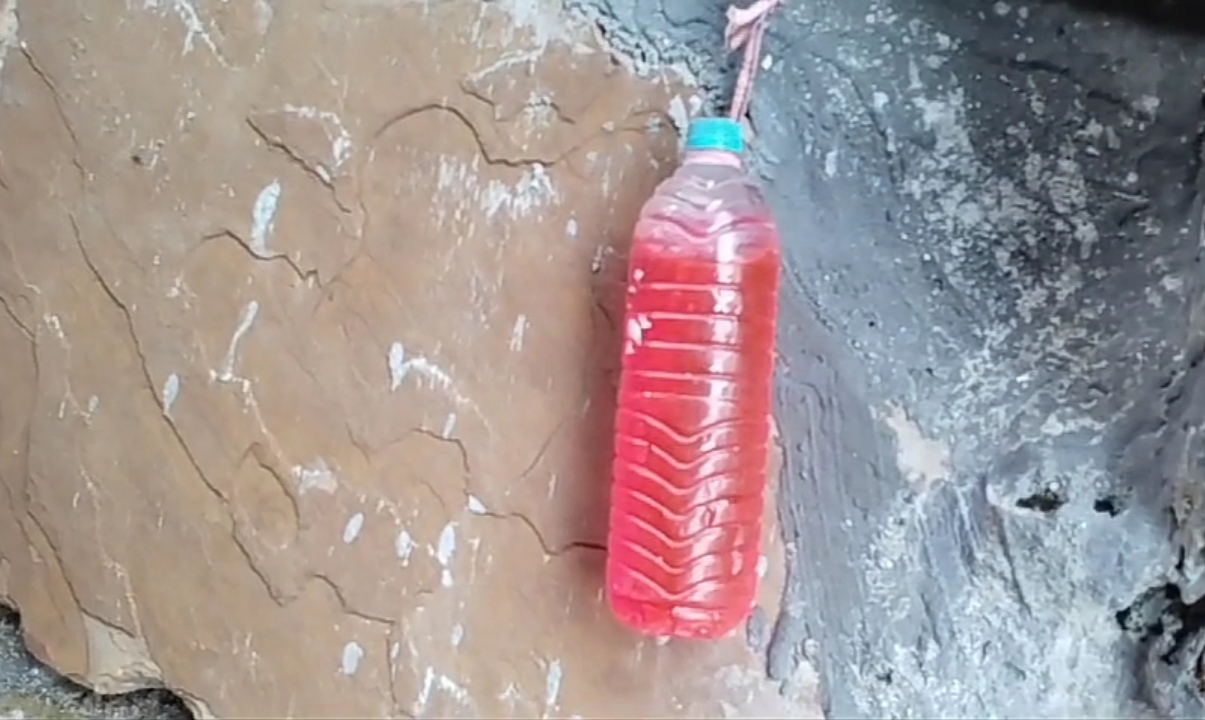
<point>693,426</point>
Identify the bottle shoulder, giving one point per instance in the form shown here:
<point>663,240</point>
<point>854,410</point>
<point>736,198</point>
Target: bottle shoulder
<point>708,202</point>
<point>702,184</point>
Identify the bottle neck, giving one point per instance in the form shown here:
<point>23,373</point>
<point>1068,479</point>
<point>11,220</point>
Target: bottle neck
<point>711,157</point>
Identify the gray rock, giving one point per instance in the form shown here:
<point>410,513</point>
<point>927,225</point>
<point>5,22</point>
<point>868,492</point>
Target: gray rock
<point>992,344</point>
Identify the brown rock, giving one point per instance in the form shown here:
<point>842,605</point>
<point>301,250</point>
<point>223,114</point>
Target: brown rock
<point>308,345</point>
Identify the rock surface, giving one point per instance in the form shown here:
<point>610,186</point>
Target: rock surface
<point>309,309</point>
<point>308,346</point>
<point>992,377</point>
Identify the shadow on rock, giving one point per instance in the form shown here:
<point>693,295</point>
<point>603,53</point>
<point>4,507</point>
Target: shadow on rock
<point>1182,17</point>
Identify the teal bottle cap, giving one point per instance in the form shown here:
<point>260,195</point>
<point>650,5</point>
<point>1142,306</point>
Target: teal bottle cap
<point>715,133</point>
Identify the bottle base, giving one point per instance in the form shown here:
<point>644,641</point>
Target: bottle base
<point>681,623</point>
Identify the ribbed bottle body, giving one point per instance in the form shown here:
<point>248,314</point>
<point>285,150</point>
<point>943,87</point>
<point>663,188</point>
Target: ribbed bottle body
<point>693,425</point>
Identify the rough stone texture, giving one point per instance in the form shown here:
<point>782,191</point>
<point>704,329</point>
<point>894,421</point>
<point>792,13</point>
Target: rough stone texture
<point>310,304</point>
<point>992,377</point>
<point>308,346</point>
<point>29,689</point>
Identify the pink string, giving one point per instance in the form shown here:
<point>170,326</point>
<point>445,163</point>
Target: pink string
<point>746,28</point>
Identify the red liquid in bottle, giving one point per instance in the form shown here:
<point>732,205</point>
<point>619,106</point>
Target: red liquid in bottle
<point>693,427</point>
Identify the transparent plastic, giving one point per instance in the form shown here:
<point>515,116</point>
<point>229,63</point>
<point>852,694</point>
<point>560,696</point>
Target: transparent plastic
<point>693,426</point>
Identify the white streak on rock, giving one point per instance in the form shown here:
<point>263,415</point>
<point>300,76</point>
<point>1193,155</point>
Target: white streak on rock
<point>455,689</point>
<point>263,217</point>
<point>444,552</point>
<point>171,389</point>
<point>923,461</point>
<point>193,25</point>
<point>517,333</point>
<point>352,655</point>
<point>245,321</point>
<point>315,476</point>
<point>332,126</point>
<point>401,367</point>
<point>533,191</point>
<point>397,366</point>
<point>424,693</point>
<point>9,28</point>
<point>404,546</point>
<point>552,686</point>
<point>351,531</point>
<point>263,16</point>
